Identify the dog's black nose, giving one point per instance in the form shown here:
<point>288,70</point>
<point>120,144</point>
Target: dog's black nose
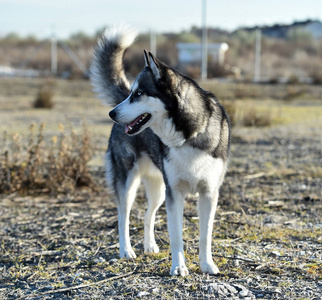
<point>112,114</point>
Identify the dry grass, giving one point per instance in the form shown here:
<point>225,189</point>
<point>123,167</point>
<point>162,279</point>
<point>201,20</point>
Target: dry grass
<point>230,108</point>
<point>267,231</point>
<point>255,118</point>
<point>67,247</point>
<point>248,116</point>
<point>39,166</point>
<point>293,92</point>
<point>317,77</point>
<point>246,91</point>
<point>44,99</point>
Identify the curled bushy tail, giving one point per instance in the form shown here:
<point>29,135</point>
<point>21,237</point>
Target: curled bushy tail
<point>106,71</point>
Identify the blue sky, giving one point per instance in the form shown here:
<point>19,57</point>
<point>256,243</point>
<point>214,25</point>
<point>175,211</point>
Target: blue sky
<point>39,17</point>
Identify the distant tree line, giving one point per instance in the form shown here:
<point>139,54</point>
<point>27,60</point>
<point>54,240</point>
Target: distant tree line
<point>298,54</point>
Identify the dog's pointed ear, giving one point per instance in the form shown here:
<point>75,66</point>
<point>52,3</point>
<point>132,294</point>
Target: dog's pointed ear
<point>146,59</point>
<point>155,67</point>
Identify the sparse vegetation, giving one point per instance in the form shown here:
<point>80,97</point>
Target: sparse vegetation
<point>59,239</point>
<point>230,107</point>
<point>293,79</point>
<point>293,92</point>
<point>254,118</point>
<point>317,77</point>
<point>293,56</point>
<point>39,166</point>
<point>245,91</point>
<point>44,98</point>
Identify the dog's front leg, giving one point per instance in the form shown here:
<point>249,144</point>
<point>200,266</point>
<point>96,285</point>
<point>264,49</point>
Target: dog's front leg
<point>126,250</point>
<point>155,191</point>
<point>175,203</point>
<point>207,209</point>
<point>126,198</point>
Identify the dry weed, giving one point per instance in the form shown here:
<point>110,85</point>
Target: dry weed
<point>293,92</point>
<point>230,108</point>
<point>44,98</point>
<point>57,166</point>
<point>317,77</point>
<point>246,91</point>
<point>255,118</point>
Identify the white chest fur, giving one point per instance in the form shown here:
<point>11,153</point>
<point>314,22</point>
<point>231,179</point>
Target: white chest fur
<point>190,170</point>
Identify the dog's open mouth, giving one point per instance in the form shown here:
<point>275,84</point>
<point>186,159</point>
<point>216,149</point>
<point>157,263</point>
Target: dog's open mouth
<point>136,124</point>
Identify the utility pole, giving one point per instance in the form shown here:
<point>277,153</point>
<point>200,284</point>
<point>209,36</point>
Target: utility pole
<point>153,42</point>
<point>204,42</point>
<point>54,61</point>
<point>258,50</point>
<point>53,52</point>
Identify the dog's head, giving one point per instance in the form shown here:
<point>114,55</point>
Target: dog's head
<point>145,105</point>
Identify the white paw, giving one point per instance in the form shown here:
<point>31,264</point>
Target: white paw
<point>179,271</point>
<point>209,267</point>
<point>151,248</point>
<point>127,253</point>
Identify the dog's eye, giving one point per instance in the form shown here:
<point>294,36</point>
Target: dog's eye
<point>138,93</point>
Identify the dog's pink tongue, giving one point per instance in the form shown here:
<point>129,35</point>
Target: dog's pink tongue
<point>127,126</point>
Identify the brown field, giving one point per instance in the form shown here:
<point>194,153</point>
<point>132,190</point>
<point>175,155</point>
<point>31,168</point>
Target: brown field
<point>268,228</point>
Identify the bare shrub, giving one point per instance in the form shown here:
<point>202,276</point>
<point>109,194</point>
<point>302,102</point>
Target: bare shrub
<point>58,166</point>
<point>191,70</point>
<point>246,91</point>
<point>44,98</point>
<point>240,92</point>
<point>273,80</point>
<point>255,118</point>
<point>217,70</point>
<point>293,79</point>
<point>316,77</point>
<point>293,92</point>
<point>230,108</point>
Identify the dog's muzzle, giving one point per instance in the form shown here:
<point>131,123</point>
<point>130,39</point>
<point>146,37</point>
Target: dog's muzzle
<point>112,114</point>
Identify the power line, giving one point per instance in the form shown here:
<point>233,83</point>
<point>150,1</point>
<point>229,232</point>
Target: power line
<point>73,56</point>
<point>54,55</point>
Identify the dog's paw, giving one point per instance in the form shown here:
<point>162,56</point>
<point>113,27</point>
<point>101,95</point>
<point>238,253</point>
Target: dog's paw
<point>127,253</point>
<point>151,248</point>
<point>179,271</point>
<point>209,267</point>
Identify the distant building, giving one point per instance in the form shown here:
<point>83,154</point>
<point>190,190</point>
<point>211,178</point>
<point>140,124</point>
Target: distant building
<point>6,71</point>
<point>191,53</point>
<point>313,27</point>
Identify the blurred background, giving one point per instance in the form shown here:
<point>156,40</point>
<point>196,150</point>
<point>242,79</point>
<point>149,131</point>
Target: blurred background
<point>247,40</point>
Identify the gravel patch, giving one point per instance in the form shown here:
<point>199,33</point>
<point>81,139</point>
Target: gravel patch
<point>267,235</point>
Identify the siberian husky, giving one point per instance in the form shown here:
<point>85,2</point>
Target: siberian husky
<point>170,134</point>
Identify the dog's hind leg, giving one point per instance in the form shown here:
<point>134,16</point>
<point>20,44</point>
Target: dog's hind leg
<point>126,196</point>
<point>155,192</point>
<point>207,209</point>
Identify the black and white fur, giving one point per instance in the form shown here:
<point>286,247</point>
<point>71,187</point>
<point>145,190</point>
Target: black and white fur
<point>171,135</point>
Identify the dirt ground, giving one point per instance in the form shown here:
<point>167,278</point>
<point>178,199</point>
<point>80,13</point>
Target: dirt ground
<point>267,239</point>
